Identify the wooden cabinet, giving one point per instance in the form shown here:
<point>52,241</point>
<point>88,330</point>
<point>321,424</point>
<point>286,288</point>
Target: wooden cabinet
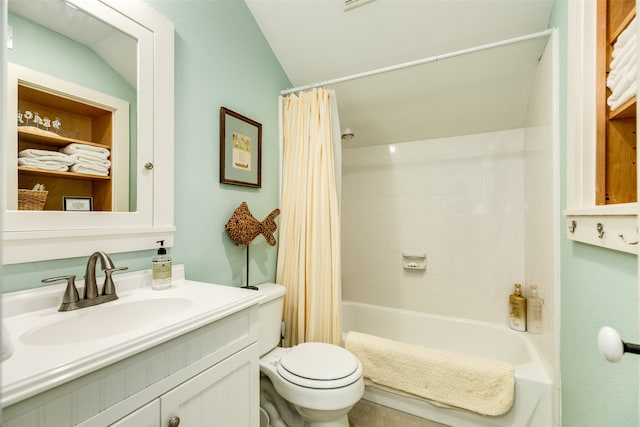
<point>616,169</point>
<point>81,124</point>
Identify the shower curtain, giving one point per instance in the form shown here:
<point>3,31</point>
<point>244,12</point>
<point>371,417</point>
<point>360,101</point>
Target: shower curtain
<point>309,249</point>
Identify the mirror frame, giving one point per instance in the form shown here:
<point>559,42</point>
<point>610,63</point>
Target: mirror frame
<point>44,235</point>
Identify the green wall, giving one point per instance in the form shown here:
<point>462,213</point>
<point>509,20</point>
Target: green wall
<point>599,287</point>
<point>221,59</point>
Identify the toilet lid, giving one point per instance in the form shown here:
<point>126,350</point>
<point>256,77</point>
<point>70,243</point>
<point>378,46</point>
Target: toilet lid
<point>320,365</point>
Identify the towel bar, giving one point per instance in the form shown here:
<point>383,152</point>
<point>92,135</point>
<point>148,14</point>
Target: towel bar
<point>611,345</point>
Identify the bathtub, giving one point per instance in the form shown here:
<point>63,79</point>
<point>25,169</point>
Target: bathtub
<point>533,387</point>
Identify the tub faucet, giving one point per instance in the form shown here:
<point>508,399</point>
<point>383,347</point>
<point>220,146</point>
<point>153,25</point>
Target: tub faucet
<point>71,300</point>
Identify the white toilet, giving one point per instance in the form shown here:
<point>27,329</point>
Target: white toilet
<point>322,381</point>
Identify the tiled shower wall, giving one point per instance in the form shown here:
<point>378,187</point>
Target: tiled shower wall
<point>459,200</point>
<point>484,208</point>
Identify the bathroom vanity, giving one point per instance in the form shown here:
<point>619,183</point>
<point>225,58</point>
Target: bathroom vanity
<point>187,355</point>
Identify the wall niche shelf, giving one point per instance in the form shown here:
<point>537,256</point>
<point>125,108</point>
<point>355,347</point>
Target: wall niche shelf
<point>87,117</point>
<point>602,192</point>
<point>616,168</point>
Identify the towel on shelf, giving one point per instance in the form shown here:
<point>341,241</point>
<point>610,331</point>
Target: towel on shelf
<point>90,160</point>
<point>619,99</point>
<point>43,164</point>
<point>34,153</point>
<point>89,169</point>
<point>444,378</point>
<point>625,36</point>
<point>281,412</point>
<point>75,148</point>
<point>623,68</point>
<point>619,52</point>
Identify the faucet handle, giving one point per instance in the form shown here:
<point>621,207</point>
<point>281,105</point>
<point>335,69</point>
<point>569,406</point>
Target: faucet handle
<point>71,292</point>
<point>109,288</point>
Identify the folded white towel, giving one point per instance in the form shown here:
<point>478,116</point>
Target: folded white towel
<point>625,80</point>
<point>630,54</point>
<point>619,99</point>
<point>7,346</point>
<point>83,148</point>
<point>626,34</point>
<point>47,165</point>
<point>89,169</point>
<point>458,380</point>
<point>90,160</point>
<point>35,153</point>
<point>616,76</point>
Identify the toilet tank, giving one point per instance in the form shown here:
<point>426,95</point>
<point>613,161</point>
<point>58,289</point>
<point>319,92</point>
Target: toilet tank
<point>270,316</point>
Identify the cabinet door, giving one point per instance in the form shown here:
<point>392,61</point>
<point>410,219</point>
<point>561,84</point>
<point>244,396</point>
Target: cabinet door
<point>225,395</point>
<point>147,416</point>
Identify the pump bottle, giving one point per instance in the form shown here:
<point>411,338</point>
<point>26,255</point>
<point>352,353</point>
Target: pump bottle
<point>161,269</point>
<point>517,310</point>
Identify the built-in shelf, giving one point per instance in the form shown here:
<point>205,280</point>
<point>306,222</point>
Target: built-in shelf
<point>40,136</point>
<point>82,123</point>
<point>616,157</point>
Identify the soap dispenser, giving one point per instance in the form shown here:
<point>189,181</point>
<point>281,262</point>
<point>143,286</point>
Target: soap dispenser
<point>534,310</point>
<point>161,269</point>
<point>518,310</point>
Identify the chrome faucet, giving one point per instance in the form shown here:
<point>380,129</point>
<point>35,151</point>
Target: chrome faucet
<point>71,300</point>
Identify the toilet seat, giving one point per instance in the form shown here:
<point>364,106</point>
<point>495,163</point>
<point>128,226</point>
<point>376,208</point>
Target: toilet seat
<point>320,366</point>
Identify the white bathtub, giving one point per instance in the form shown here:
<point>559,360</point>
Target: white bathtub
<point>533,390</point>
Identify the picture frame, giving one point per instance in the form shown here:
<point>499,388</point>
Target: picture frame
<point>77,204</point>
<point>240,150</point>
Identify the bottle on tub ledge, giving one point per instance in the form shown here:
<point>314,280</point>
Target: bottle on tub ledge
<point>518,310</point>
<point>534,310</point>
<point>161,269</point>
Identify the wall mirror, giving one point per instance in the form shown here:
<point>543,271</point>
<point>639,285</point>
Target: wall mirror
<point>123,50</point>
<point>94,101</point>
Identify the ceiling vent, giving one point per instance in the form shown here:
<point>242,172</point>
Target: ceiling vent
<point>351,4</point>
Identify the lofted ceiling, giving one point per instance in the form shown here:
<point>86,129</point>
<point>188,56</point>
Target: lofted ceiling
<point>317,40</point>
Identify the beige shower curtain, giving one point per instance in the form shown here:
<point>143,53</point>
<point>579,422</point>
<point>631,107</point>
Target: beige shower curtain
<point>309,249</point>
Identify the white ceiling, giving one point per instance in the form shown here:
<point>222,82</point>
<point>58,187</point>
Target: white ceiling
<point>316,40</point>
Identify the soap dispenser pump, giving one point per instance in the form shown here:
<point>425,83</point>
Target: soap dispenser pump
<point>517,310</point>
<point>161,269</point>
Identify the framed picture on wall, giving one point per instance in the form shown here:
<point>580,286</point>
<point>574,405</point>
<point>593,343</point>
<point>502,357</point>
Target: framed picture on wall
<point>240,150</point>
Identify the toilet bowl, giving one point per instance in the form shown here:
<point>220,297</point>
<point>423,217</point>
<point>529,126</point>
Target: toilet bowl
<point>322,381</point>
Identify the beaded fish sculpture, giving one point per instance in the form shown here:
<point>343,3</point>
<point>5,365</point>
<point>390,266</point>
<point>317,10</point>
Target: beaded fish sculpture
<point>242,227</point>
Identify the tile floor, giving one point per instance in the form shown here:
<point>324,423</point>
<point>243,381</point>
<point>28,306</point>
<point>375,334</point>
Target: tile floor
<point>369,414</point>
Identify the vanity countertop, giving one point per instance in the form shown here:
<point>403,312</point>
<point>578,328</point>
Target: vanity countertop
<point>39,362</point>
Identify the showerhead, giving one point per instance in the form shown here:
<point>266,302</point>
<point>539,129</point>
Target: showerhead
<point>347,134</point>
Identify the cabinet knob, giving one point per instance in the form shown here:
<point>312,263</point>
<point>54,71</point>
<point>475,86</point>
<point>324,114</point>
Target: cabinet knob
<point>148,166</point>
<point>174,422</point>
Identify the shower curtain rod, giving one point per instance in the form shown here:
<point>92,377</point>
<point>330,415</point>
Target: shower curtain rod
<point>435,58</point>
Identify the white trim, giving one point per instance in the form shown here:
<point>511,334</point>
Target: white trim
<point>119,231</point>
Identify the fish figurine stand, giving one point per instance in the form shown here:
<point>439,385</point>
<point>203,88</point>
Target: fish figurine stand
<point>243,228</point>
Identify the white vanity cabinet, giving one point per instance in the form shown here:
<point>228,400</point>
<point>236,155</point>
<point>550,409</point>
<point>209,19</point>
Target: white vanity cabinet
<point>220,396</point>
<point>207,377</point>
